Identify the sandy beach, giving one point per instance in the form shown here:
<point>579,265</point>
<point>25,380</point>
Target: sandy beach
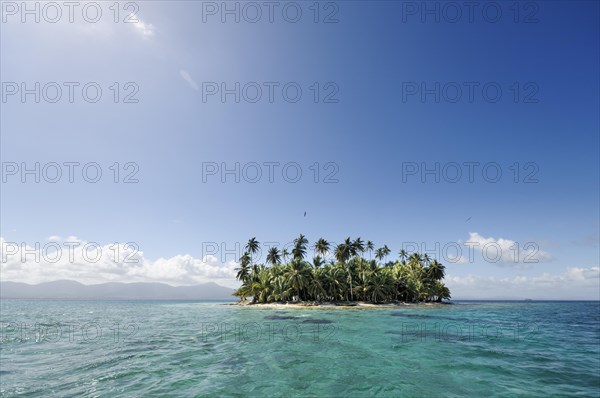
<point>329,306</point>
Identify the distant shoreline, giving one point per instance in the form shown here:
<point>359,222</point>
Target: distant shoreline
<point>337,305</point>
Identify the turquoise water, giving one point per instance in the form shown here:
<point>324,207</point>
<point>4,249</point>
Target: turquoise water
<point>182,349</point>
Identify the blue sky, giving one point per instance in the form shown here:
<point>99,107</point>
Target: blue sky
<point>370,57</point>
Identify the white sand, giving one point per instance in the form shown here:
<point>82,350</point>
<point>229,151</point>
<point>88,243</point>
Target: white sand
<point>328,306</point>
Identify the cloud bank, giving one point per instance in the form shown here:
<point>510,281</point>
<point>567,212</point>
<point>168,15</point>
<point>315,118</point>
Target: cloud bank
<point>90,263</point>
<point>506,252</point>
<point>574,283</point>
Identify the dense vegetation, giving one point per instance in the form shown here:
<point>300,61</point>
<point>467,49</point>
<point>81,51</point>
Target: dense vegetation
<point>348,276</point>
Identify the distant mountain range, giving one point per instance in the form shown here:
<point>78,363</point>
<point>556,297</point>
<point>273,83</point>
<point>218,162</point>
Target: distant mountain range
<point>67,289</point>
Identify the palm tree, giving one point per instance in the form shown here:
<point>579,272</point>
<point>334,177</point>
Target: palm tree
<point>273,256</point>
<point>342,253</point>
<point>386,251</point>
<point>285,254</point>
<point>254,274</point>
<point>370,247</point>
<point>382,252</point>
<point>334,282</point>
<point>415,258</point>
<point>244,270</point>
<point>316,287</point>
<point>363,287</point>
<point>381,286</point>
<point>441,291</point>
<point>379,254</point>
<point>413,288</point>
<point>281,288</point>
<point>299,250</point>
<point>252,247</point>
<point>437,271</point>
<point>261,287</point>
<point>403,255</point>
<point>317,262</point>
<point>426,259</point>
<point>297,276</point>
<point>358,246</point>
<point>243,292</point>
<point>399,276</point>
<point>322,247</point>
<point>362,266</point>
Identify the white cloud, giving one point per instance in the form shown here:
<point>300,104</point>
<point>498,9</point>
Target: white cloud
<point>573,283</point>
<point>144,28</point>
<point>69,259</point>
<point>58,238</point>
<point>506,252</point>
<point>186,76</point>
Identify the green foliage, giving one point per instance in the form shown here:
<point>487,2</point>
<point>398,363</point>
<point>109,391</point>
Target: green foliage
<point>412,278</point>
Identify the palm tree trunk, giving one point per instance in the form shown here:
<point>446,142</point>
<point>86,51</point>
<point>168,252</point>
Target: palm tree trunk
<point>351,294</point>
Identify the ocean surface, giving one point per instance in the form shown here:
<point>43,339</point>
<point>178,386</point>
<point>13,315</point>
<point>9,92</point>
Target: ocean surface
<point>188,349</point>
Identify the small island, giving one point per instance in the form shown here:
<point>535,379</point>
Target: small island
<point>348,278</point>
